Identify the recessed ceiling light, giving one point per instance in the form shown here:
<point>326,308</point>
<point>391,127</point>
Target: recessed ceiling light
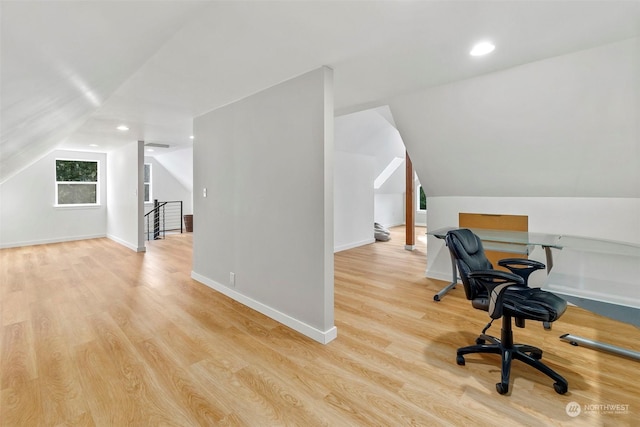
<point>93,145</point>
<point>191,137</point>
<point>123,127</point>
<point>149,149</point>
<point>482,48</point>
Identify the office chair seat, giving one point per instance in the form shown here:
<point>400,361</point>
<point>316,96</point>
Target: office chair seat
<point>534,304</point>
<point>503,295</point>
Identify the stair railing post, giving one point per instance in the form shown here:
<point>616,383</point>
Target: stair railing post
<point>164,219</point>
<point>156,220</point>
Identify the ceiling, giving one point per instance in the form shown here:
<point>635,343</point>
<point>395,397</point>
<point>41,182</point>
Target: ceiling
<point>72,71</point>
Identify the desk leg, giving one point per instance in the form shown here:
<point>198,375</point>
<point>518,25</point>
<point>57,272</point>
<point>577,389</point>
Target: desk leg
<point>549,255</point>
<point>574,340</point>
<point>454,281</point>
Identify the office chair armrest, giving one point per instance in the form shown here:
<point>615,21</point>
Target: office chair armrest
<point>521,266</point>
<point>497,283</point>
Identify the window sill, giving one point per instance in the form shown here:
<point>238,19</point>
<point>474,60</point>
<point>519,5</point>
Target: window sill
<point>77,206</point>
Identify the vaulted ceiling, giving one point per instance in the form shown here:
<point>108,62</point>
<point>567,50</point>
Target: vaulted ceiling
<point>72,71</point>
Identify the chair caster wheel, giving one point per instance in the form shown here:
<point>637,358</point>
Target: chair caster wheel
<point>502,388</point>
<point>560,388</point>
<point>480,341</point>
<point>460,360</point>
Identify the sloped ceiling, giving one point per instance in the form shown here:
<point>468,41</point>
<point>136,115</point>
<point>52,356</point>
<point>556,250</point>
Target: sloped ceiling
<point>371,133</point>
<point>62,61</point>
<point>71,71</point>
<point>567,126</point>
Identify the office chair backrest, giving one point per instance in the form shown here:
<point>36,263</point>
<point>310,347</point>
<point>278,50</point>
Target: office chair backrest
<point>467,250</point>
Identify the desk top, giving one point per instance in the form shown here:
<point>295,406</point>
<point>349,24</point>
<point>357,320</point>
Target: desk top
<point>558,241</point>
<point>507,236</point>
<point>589,268</point>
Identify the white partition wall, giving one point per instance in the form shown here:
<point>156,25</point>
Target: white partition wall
<point>353,200</point>
<point>125,197</point>
<point>263,202</point>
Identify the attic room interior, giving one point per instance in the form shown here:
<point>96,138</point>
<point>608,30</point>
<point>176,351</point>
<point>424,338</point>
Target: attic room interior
<point>282,127</point>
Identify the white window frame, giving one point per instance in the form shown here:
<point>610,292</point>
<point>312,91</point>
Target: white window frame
<point>96,183</point>
<point>150,183</point>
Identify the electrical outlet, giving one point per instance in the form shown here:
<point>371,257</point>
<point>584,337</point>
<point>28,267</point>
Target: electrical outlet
<point>232,279</point>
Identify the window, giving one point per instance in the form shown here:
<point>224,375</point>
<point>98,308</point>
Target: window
<point>77,182</point>
<point>147,183</point>
<point>422,199</point>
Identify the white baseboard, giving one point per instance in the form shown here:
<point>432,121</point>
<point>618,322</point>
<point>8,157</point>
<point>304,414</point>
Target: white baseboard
<point>393,225</point>
<point>440,275</point>
<point>126,244</point>
<point>48,241</point>
<point>417,224</point>
<point>323,337</point>
<point>353,245</point>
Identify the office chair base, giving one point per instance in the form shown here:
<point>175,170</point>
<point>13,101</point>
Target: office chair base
<point>534,352</point>
<point>526,353</point>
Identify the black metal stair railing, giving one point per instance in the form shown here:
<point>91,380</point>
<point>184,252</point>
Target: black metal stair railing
<point>164,217</point>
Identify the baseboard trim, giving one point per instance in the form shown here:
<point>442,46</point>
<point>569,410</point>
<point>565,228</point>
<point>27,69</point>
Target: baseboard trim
<point>353,245</point>
<point>323,337</point>
<point>439,275</point>
<point>49,241</point>
<point>126,244</point>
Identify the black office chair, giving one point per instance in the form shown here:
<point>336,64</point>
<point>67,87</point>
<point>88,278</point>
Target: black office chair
<point>504,295</point>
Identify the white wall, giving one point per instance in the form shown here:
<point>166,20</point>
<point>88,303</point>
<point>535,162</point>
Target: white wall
<point>267,164</point>
<point>389,209</point>
<point>27,212</point>
<point>179,164</point>
<point>166,187</point>
<point>125,196</point>
<point>372,133</point>
<point>353,200</point>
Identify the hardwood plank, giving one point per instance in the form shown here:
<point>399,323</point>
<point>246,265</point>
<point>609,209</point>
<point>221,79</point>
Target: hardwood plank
<point>61,396</point>
<point>17,359</point>
<point>94,334</point>
<point>104,391</point>
<point>180,385</point>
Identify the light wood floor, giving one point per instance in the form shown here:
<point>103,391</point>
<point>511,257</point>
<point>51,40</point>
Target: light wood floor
<point>94,334</point>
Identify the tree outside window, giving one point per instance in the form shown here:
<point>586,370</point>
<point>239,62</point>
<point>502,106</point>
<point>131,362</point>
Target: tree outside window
<point>77,182</point>
<point>422,199</point>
